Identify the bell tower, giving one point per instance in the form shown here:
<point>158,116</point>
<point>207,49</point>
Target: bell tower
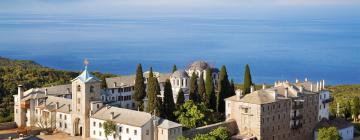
<point>85,88</point>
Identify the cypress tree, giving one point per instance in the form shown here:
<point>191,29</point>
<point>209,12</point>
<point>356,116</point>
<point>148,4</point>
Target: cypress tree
<point>168,105</point>
<point>232,88</point>
<point>223,90</point>
<point>174,68</point>
<point>139,87</point>
<point>247,80</point>
<point>180,98</point>
<point>193,88</point>
<point>210,91</point>
<point>152,91</point>
<point>201,88</point>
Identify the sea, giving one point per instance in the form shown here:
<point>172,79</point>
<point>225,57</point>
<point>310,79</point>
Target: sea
<point>276,47</point>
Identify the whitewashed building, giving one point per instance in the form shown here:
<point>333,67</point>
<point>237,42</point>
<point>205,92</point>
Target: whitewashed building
<point>81,107</point>
<point>344,128</point>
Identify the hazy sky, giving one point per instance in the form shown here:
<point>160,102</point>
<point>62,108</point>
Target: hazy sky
<point>133,7</point>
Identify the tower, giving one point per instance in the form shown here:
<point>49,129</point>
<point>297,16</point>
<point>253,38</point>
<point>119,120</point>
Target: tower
<point>85,88</point>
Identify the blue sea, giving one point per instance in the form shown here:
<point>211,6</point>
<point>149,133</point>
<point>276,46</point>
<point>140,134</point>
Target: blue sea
<point>277,47</point>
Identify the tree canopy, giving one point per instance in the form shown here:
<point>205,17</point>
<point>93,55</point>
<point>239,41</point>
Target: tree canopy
<point>168,105</point>
<point>180,98</point>
<point>139,87</point>
<point>193,115</point>
<point>224,89</point>
<point>201,88</point>
<point>109,128</point>
<point>153,90</point>
<point>247,80</point>
<point>328,133</point>
<point>193,88</point>
<point>174,68</point>
<point>210,91</point>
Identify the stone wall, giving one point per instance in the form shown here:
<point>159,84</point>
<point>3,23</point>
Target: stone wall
<point>7,125</point>
<point>229,124</point>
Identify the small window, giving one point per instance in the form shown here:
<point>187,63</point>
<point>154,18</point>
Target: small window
<point>94,132</point>
<point>97,105</point>
<point>64,117</point>
<point>94,123</point>
<point>91,89</point>
<point>78,88</point>
<point>120,129</point>
<point>60,116</point>
<point>99,133</point>
<point>78,100</point>
<point>135,132</point>
<point>100,125</point>
<point>147,132</point>
<point>60,124</point>
<point>127,130</point>
<point>65,125</point>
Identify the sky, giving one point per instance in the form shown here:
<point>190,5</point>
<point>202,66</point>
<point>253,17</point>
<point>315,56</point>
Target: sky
<point>163,7</point>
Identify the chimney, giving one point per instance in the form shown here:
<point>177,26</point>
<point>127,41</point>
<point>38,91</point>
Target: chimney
<point>323,84</point>
<point>57,105</point>
<point>251,89</point>
<point>306,79</point>
<point>275,84</point>
<point>112,115</point>
<point>301,89</point>
<point>46,92</point>
<point>115,84</point>
<point>69,108</point>
<point>296,80</point>
<point>20,91</point>
<point>238,93</point>
<point>317,86</point>
<point>263,86</point>
<point>286,92</point>
<point>311,87</point>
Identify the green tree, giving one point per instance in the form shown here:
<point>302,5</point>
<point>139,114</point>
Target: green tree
<point>182,138</point>
<point>180,100</point>
<point>210,91</point>
<point>191,115</point>
<point>109,127</point>
<point>169,105</point>
<point>174,68</point>
<point>328,133</point>
<point>224,90</point>
<point>204,137</point>
<point>247,80</point>
<point>139,87</point>
<point>232,88</point>
<point>193,88</point>
<point>153,90</point>
<point>220,133</point>
<point>355,105</point>
<point>201,88</point>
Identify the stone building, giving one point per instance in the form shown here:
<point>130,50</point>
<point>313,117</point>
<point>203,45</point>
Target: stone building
<point>74,108</point>
<point>285,111</point>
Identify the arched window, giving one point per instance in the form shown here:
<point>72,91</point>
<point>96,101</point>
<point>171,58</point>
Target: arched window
<point>91,89</point>
<point>79,88</point>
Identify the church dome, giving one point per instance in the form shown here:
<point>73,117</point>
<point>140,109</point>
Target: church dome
<point>199,65</point>
<point>180,74</point>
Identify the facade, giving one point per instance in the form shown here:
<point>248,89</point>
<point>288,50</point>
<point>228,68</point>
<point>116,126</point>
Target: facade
<point>81,107</point>
<point>285,111</point>
<point>180,80</point>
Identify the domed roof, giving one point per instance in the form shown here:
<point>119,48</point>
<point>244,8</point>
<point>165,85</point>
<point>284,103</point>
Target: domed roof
<point>199,65</point>
<point>180,74</point>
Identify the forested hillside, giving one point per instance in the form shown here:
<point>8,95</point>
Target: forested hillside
<point>29,74</point>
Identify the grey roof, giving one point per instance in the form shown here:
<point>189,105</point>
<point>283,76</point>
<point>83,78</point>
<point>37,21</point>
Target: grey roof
<point>256,97</point>
<point>180,74</point>
<point>339,123</point>
<point>51,104</point>
<point>58,90</point>
<point>167,124</point>
<point>121,81</point>
<point>199,65</point>
<point>123,116</point>
<point>129,80</point>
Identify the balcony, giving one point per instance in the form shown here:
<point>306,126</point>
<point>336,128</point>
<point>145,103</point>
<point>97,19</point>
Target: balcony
<point>296,126</point>
<point>298,117</point>
<point>25,104</point>
<point>328,100</point>
<point>297,106</point>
